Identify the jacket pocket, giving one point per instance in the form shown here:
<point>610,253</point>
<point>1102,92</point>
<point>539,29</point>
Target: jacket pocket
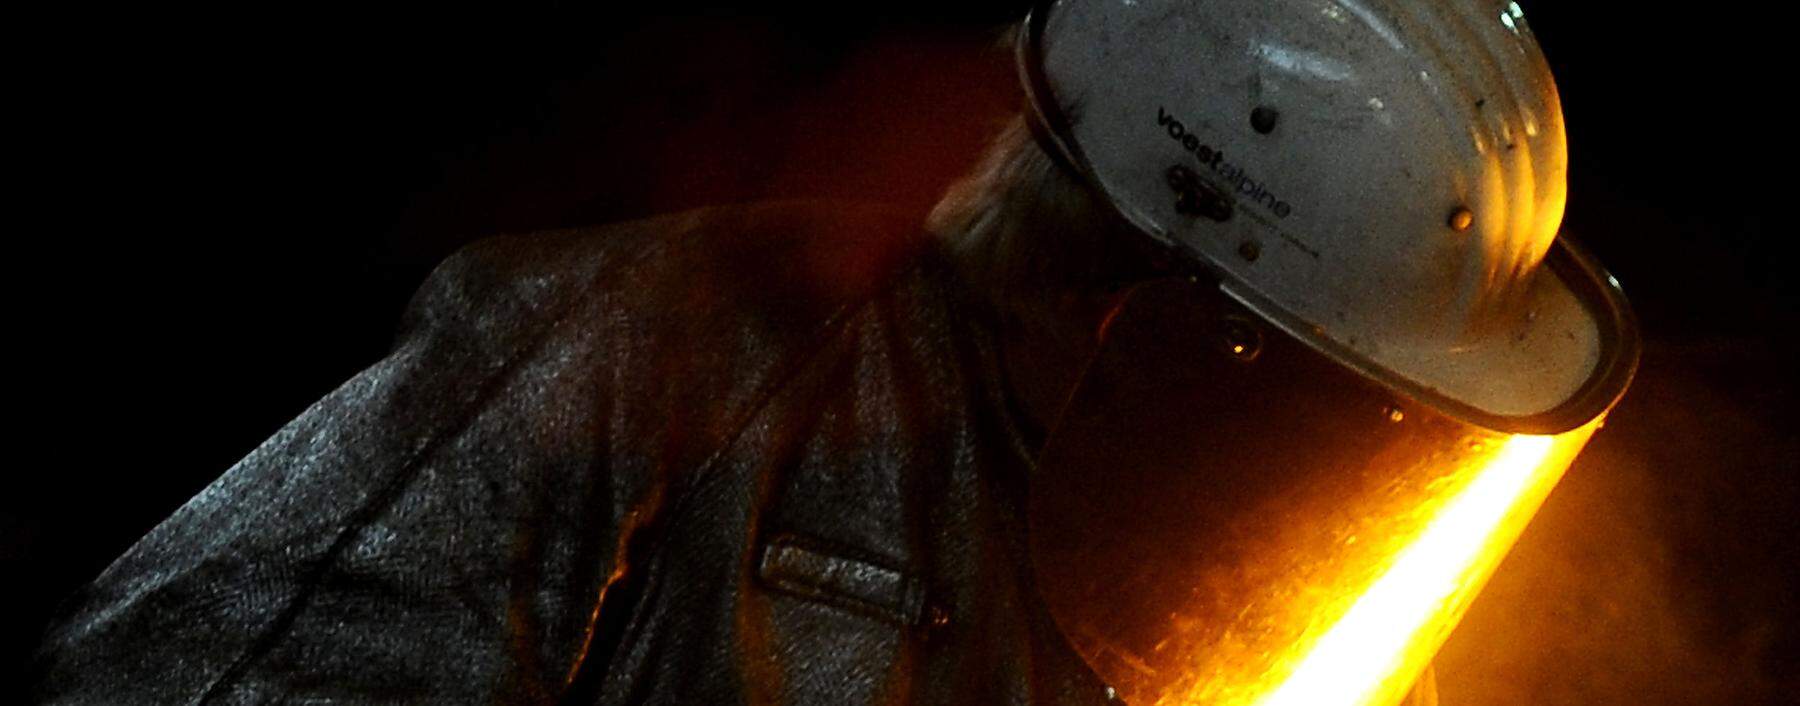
<point>848,579</point>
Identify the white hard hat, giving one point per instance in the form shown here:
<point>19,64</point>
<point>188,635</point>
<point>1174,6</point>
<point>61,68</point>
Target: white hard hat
<point>1382,178</point>
<point>1283,481</point>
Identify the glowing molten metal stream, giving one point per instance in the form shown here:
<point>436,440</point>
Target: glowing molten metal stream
<point>1383,642</point>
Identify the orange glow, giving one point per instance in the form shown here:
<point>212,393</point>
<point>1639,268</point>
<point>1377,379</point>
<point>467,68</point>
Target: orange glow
<point>1373,653</point>
<point>1335,588</point>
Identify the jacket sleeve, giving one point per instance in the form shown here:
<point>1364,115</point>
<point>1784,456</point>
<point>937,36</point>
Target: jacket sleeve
<point>439,528</point>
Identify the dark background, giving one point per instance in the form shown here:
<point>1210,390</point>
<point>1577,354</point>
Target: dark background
<point>228,207</point>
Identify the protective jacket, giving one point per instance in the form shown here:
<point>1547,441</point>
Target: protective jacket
<point>747,455</point>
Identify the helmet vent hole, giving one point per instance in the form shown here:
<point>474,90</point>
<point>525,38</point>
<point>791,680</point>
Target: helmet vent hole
<point>1263,119</point>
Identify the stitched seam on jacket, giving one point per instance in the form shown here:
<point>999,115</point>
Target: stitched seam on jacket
<point>827,333</point>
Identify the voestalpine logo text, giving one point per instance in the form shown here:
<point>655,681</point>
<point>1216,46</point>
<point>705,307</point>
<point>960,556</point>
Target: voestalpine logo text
<point>1214,159</point>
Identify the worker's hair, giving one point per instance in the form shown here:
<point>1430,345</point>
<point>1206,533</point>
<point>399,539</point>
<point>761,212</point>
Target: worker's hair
<point>1027,232</point>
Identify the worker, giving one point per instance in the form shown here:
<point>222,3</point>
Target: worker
<point>1221,302</point>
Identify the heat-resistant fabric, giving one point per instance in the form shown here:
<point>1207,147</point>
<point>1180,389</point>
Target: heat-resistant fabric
<point>749,455</point>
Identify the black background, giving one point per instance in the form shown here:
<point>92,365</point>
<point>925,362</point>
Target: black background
<point>225,209</point>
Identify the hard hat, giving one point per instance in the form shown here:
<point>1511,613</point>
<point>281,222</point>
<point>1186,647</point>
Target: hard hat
<point>1371,191</point>
<point>1384,178</point>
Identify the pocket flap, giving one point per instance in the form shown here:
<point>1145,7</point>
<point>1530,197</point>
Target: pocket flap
<point>845,578</point>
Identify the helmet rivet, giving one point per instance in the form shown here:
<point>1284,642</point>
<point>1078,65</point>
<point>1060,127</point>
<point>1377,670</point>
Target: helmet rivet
<point>1263,119</point>
<point>1180,178</point>
<point>1461,219</point>
<point>1241,339</point>
<point>1249,250</point>
<point>1394,414</point>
